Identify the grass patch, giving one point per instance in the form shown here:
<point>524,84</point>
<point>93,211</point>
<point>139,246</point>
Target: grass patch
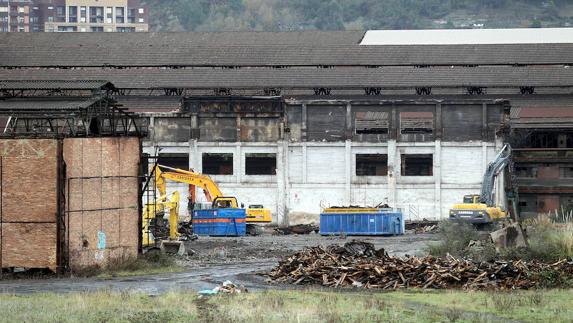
<point>550,239</point>
<point>150,263</point>
<point>293,306</point>
<point>454,238</point>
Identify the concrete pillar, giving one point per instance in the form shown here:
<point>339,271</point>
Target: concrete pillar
<point>484,160</point>
<point>304,163</point>
<point>194,156</point>
<point>151,129</point>
<point>348,130</point>
<point>484,121</point>
<point>348,172</point>
<point>238,163</point>
<point>437,171</point>
<point>194,164</point>
<point>282,173</point>
<point>303,125</point>
<point>393,171</point>
<point>438,121</point>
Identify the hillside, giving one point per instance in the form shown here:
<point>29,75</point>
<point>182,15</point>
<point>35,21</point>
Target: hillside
<point>285,15</point>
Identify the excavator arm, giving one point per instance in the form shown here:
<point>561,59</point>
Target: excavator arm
<point>493,169</point>
<point>211,189</point>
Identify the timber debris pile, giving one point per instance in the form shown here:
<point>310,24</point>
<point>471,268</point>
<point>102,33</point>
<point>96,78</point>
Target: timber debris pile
<point>359,264</point>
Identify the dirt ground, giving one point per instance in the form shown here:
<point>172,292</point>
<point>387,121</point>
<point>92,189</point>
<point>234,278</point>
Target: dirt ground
<point>219,250</point>
<point>213,260</point>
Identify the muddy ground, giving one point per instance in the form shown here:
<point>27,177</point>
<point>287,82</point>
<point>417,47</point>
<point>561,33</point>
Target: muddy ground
<point>214,260</point>
<point>272,247</point>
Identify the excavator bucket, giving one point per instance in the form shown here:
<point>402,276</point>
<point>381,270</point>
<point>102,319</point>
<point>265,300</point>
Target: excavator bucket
<point>172,247</point>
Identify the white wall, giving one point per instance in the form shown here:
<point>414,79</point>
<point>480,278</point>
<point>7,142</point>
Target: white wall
<point>318,175</point>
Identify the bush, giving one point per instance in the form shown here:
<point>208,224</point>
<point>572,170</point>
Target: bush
<point>455,237</point>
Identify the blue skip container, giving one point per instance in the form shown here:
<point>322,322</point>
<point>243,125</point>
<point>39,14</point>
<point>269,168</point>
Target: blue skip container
<point>375,223</point>
<point>219,222</point>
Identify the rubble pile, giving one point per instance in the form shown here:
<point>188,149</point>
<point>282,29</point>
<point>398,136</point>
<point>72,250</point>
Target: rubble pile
<point>359,264</point>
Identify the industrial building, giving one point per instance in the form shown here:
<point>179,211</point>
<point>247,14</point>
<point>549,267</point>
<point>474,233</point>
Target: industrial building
<point>298,121</point>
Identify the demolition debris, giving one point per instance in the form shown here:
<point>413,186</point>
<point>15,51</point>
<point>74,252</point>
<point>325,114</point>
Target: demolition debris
<point>359,264</point>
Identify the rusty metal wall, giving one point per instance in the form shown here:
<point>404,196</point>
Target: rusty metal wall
<point>172,129</point>
<point>326,122</point>
<point>102,216</point>
<point>29,203</point>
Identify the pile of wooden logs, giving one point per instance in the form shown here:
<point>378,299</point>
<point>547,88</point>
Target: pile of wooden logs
<point>359,264</point>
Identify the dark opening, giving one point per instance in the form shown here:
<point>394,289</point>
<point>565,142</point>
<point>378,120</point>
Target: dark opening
<point>218,164</point>
<point>417,165</point>
<point>260,164</point>
<point>180,161</point>
<point>372,131</point>
<point>371,165</point>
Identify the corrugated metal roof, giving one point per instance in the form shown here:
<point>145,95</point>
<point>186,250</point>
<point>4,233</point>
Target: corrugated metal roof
<point>53,49</point>
<point>186,39</point>
<point>26,104</point>
<point>53,84</point>
<point>357,77</point>
<point>469,36</point>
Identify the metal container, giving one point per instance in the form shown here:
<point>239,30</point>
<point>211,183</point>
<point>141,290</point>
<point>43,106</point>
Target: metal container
<point>219,222</point>
<point>382,222</point>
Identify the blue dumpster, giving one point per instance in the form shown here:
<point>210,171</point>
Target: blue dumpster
<point>371,223</point>
<point>219,222</point>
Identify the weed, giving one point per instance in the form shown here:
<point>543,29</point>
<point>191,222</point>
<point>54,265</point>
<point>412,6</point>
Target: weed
<point>375,303</point>
<point>535,299</point>
<point>149,263</point>
<point>503,302</point>
<point>454,238</point>
<point>454,314</point>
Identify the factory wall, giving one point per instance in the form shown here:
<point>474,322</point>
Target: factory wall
<point>311,176</point>
<point>421,156</point>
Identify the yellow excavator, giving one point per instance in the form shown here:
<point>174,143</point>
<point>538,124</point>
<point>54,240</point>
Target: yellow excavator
<point>150,212</point>
<point>480,208</point>
<point>255,214</point>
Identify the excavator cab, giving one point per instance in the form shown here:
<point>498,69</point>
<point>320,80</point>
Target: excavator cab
<point>225,202</point>
<point>471,199</point>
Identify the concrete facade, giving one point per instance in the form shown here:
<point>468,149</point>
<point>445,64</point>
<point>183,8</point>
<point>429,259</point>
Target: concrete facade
<point>312,174</point>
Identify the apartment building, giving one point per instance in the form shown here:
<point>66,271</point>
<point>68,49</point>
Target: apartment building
<point>73,16</point>
<point>15,15</point>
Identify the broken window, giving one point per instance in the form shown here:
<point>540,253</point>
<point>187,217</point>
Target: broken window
<point>416,122</point>
<point>371,165</point>
<point>180,161</point>
<point>371,123</point>
<point>218,164</point>
<point>417,165</point>
<point>260,164</point>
